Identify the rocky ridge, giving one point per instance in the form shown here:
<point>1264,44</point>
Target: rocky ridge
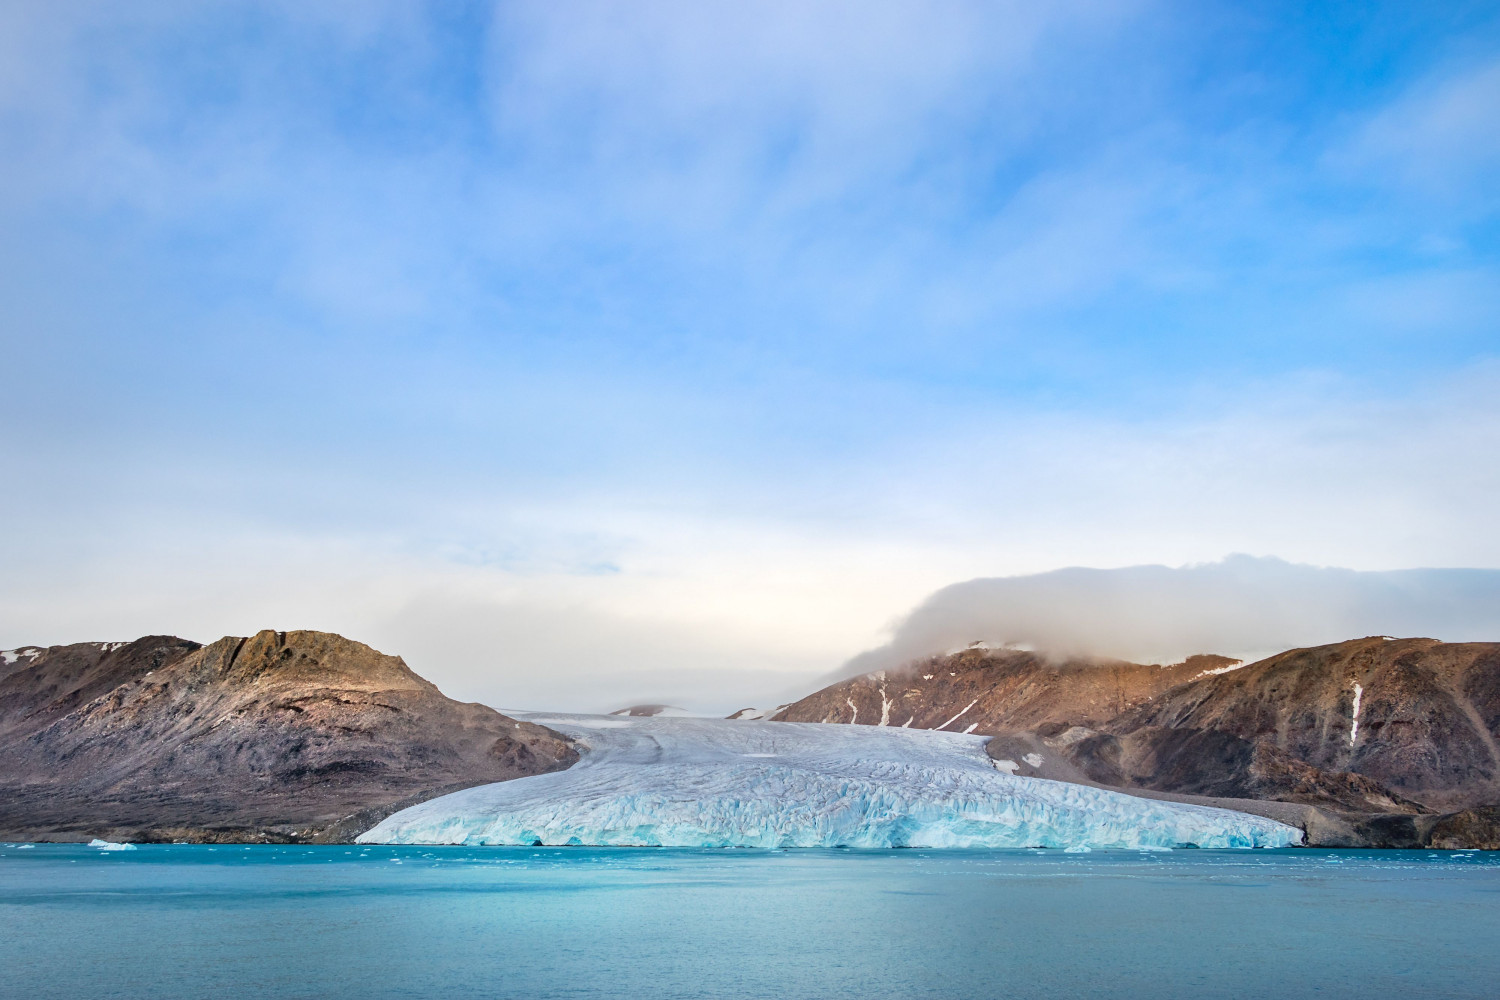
<point>282,736</point>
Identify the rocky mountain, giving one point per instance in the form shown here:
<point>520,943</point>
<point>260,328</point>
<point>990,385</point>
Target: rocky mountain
<point>649,711</point>
<point>280,736</point>
<point>1388,742</point>
<point>988,691</point>
<point>1417,716</point>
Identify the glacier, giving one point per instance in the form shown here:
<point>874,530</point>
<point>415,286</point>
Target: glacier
<point>679,782</point>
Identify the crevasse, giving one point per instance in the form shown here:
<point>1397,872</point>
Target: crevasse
<point>720,783</point>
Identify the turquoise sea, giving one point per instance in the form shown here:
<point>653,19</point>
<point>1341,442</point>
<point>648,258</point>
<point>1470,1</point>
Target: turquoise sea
<point>223,922</point>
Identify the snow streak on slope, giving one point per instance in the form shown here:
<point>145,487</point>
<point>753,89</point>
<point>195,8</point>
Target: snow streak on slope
<point>706,783</point>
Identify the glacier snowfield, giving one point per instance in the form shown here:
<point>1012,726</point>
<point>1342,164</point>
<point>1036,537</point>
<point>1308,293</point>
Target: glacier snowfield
<point>675,782</point>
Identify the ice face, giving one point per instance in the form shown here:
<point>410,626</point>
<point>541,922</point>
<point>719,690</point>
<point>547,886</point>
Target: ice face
<point>721,783</point>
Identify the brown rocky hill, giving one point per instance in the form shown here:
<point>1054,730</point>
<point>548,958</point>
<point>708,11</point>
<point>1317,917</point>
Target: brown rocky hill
<point>281,736</point>
<point>1418,716</point>
<point>990,691</point>
<point>1279,730</point>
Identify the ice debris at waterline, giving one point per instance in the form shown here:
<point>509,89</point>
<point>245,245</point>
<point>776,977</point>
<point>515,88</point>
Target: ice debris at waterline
<point>109,845</point>
<point>719,783</point>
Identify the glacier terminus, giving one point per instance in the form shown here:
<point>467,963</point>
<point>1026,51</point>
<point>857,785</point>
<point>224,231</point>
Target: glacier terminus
<point>682,782</point>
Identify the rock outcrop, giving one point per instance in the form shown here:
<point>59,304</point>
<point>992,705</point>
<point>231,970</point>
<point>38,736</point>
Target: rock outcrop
<point>282,736</point>
<point>648,711</point>
<point>1417,716</point>
<point>989,691</point>
<point>1388,742</point>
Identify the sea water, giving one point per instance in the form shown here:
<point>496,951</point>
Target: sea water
<point>374,922</point>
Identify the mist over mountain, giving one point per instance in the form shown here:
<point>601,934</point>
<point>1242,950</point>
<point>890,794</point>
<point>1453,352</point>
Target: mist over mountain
<point>1242,606</point>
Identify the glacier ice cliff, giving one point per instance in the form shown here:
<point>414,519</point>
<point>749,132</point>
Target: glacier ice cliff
<point>718,783</point>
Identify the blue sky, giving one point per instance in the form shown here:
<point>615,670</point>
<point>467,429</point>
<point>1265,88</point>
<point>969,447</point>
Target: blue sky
<point>524,338</point>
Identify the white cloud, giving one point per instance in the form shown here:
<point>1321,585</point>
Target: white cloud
<point>627,589</point>
<point>1438,138</point>
<point>780,309</point>
<point>1241,606</point>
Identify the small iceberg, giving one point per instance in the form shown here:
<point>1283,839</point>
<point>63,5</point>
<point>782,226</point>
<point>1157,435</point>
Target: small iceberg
<point>109,845</point>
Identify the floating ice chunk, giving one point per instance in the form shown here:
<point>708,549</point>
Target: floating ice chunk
<point>692,783</point>
<point>109,845</point>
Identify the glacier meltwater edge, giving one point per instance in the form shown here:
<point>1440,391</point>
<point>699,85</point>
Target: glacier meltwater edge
<point>720,783</point>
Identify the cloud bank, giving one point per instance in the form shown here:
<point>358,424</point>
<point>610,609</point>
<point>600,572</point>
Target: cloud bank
<point>1241,606</point>
<point>589,352</point>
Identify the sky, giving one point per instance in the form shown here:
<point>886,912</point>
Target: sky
<point>592,353</point>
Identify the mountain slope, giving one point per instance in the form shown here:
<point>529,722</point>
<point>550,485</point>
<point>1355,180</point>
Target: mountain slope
<point>992,691</point>
<point>1416,715</point>
<point>278,736</point>
<point>1281,729</point>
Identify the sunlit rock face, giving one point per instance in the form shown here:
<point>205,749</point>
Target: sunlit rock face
<point>279,736</point>
<point>722,783</point>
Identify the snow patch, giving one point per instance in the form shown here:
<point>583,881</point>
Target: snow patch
<point>972,726</point>
<point>855,717</point>
<point>1359,694</point>
<point>1007,766</point>
<point>693,783</point>
<point>758,714</point>
<point>1033,759</point>
<point>959,715</point>
<point>885,703</point>
<point>1216,671</point>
